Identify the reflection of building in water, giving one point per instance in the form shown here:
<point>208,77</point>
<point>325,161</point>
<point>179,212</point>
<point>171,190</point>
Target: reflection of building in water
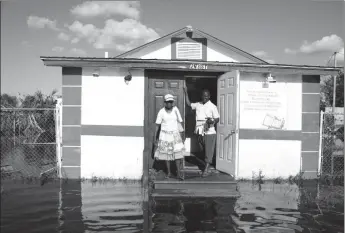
<point>193,215</point>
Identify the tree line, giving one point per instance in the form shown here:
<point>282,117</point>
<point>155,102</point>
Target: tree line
<point>36,100</point>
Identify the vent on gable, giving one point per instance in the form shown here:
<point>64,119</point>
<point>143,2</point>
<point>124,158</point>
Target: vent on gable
<point>188,50</point>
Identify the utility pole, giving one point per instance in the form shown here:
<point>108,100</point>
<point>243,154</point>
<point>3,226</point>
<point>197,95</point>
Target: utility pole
<point>334,83</point>
<point>333,110</point>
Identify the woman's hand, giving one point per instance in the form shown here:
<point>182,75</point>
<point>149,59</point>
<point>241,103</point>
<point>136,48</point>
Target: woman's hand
<point>155,143</point>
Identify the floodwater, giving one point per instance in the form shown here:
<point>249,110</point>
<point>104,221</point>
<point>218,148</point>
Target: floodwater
<point>72,206</point>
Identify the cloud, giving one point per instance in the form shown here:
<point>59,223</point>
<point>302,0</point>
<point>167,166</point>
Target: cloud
<point>63,36</point>
<point>58,49</point>
<point>129,9</point>
<point>120,35</point>
<point>290,51</point>
<point>75,40</point>
<point>260,54</point>
<point>77,51</point>
<point>326,44</point>
<point>87,31</point>
<point>36,22</point>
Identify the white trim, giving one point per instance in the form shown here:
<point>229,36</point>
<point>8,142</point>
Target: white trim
<point>72,146</point>
<point>64,105</point>
<point>237,122</point>
<point>309,151</point>
<point>311,93</point>
<point>310,113</point>
<point>70,166</point>
<point>71,85</point>
<point>71,125</point>
<point>320,144</point>
<point>310,171</point>
<point>310,132</point>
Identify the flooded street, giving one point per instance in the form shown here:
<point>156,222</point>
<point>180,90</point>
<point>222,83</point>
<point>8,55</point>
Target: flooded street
<point>119,207</point>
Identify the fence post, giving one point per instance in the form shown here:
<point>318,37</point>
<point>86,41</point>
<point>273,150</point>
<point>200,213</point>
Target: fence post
<point>333,145</point>
<point>14,128</point>
<point>57,112</point>
<point>320,144</point>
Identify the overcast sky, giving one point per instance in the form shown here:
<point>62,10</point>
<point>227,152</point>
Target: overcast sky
<point>279,31</point>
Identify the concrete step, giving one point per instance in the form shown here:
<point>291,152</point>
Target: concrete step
<point>195,169</point>
<point>183,193</point>
<point>195,185</point>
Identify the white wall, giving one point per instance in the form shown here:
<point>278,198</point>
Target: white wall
<point>216,53</point>
<point>161,50</point>
<point>107,100</point>
<point>274,157</point>
<point>112,157</point>
<point>289,96</point>
<point>161,53</point>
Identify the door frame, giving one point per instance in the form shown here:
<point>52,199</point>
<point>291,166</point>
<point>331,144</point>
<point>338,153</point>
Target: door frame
<point>238,102</point>
<point>148,141</point>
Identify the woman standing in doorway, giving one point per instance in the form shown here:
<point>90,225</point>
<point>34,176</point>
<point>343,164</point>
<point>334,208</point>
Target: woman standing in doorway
<point>169,145</point>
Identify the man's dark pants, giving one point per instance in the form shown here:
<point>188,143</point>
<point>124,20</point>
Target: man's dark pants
<point>208,144</point>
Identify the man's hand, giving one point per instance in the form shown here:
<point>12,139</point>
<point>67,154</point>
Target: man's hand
<point>209,121</point>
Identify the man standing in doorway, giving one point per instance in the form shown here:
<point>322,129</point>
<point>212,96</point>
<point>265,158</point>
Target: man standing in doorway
<point>207,117</point>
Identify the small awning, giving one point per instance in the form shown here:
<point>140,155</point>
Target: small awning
<point>187,65</point>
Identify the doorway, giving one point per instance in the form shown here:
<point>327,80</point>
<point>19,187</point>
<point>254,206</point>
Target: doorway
<point>196,84</point>
<point>224,94</point>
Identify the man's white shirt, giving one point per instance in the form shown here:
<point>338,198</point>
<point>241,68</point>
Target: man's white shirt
<point>203,111</point>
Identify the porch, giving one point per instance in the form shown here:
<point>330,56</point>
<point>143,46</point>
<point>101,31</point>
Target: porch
<point>215,184</point>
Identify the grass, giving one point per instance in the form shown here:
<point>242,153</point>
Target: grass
<point>43,180</point>
<point>330,191</point>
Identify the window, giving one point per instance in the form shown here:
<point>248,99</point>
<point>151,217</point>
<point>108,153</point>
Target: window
<point>188,50</point>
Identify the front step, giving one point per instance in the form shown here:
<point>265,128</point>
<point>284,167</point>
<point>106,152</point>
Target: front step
<point>195,169</point>
<point>168,193</point>
<point>194,185</point>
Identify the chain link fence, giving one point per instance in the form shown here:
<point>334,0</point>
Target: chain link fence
<point>332,147</point>
<point>28,142</point>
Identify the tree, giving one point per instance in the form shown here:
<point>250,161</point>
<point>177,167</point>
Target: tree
<point>39,119</point>
<point>39,100</point>
<point>9,101</point>
<point>327,91</point>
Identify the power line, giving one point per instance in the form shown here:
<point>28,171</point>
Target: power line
<point>329,59</point>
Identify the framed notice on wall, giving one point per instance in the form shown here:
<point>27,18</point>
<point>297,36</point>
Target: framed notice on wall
<point>263,108</point>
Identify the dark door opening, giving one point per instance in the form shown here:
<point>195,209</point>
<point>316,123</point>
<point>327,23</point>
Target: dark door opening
<point>195,87</point>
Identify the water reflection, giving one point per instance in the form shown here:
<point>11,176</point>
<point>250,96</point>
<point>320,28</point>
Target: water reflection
<point>191,215</point>
<point>118,207</point>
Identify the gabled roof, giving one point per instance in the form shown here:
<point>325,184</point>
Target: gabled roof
<point>195,32</point>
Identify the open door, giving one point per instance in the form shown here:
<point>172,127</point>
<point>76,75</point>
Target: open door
<point>161,83</point>
<point>226,128</point>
